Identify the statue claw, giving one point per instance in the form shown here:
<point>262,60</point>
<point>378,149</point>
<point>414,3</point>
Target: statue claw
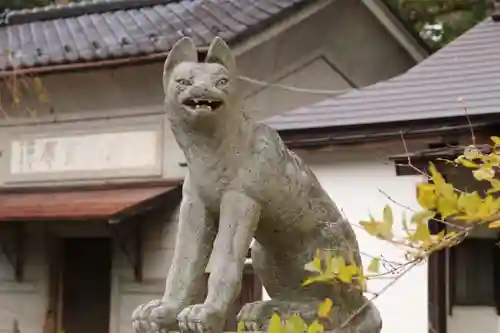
<point>201,318</point>
<point>154,317</point>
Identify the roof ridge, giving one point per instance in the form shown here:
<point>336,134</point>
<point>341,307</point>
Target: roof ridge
<point>73,9</point>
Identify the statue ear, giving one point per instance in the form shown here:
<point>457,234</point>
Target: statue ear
<point>220,53</point>
<point>183,51</point>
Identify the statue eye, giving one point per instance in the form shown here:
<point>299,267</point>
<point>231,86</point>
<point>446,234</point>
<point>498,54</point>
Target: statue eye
<point>221,82</point>
<point>184,82</point>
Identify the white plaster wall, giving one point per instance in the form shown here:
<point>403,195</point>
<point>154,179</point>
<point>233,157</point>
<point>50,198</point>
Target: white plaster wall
<point>25,301</point>
<point>158,247</point>
<point>354,181</point>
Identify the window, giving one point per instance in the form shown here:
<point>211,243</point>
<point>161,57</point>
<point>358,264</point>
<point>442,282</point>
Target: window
<point>472,272</point>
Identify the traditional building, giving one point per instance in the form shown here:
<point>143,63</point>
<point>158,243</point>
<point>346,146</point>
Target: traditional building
<point>359,143</point>
<point>89,170</point>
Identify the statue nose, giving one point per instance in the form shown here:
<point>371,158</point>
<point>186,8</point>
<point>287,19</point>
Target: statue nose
<point>198,90</point>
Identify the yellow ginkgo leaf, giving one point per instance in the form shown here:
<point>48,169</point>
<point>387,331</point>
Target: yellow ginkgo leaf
<point>467,163</point>
<point>404,222</point>
<point>422,216</point>
<point>483,173</point>
<point>446,207</point>
<point>436,177</point>
<point>317,278</point>
<point>422,233</point>
<point>388,217</point>
<point>336,264</point>
<point>380,230</point>
<point>43,97</point>
<point>347,272</point>
<point>361,282</point>
<point>295,324</point>
<point>240,327</point>
<point>275,324</point>
<point>37,82</point>
<point>468,203</point>
<point>426,196</point>
<point>440,235</point>
<point>374,266</point>
<point>315,327</point>
<point>447,191</point>
<point>471,152</point>
<point>494,225</point>
<point>324,308</point>
<point>314,265</point>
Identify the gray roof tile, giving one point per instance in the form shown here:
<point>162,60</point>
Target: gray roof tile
<point>468,68</point>
<point>95,30</point>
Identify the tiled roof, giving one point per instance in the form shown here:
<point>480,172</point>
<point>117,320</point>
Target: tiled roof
<point>90,31</point>
<point>468,69</point>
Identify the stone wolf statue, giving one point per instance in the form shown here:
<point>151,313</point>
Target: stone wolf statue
<point>242,183</point>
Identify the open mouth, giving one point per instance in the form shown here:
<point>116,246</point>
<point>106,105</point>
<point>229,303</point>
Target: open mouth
<point>200,103</point>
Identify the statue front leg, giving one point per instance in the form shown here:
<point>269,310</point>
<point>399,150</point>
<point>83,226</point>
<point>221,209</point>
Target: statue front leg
<point>195,235</point>
<point>238,221</point>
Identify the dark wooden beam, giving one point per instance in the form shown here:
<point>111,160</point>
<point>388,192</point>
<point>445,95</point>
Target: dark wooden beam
<point>496,11</point>
<point>128,237</point>
<point>12,246</point>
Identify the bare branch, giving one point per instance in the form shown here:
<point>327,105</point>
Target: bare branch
<point>466,112</point>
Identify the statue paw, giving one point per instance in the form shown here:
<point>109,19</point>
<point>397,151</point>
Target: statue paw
<point>251,315</point>
<point>154,317</point>
<point>201,318</point>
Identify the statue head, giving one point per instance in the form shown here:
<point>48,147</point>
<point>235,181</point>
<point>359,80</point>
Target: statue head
<point>193,89</point>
